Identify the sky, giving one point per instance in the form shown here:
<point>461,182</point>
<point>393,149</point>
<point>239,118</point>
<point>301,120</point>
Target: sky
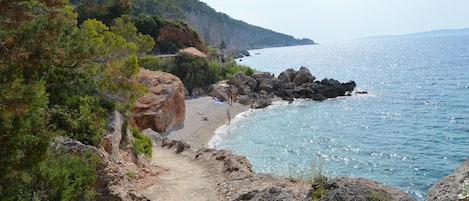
<point>337,20</point>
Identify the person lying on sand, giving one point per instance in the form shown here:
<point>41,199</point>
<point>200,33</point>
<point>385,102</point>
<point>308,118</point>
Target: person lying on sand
<point>204,117</point>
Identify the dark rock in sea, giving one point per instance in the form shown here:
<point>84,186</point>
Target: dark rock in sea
<point>301,92</point>
<point>290,73</point>
<point>261,101</point>
<point>452,187</point>
<point>264,81</point>
<point>349,86</point>
<point>318,97</point>
<point>330,92</point>
<point>260,87</point>
<point>303,76</point>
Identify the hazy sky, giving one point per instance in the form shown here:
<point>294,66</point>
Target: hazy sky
<point>330,20</point>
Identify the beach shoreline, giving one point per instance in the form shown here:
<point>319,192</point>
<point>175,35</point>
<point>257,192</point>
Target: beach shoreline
<point>196,131</point>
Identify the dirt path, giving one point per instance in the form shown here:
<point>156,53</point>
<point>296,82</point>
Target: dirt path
<point>184,180</point>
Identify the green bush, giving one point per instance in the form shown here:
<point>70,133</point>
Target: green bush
<point>61,176</point>
<point>232,68</point>
<point>315,174</point>
<point>141,143</point>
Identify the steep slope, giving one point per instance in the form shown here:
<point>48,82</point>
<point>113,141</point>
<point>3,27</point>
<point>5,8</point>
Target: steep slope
<point>215,27</point>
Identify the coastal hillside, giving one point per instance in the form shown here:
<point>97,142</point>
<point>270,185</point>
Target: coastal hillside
<point>433,33</point>
<point>218,29</point>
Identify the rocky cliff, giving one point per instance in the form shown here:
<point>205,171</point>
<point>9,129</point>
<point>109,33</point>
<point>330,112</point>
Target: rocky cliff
<point>120,173</point>
<point>163,106</point>
<point>214,27</point>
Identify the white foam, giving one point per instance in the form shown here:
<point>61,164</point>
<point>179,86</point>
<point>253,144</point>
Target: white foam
<point>224,131</point>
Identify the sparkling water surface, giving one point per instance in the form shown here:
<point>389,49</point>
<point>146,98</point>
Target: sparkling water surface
<point>411,129</point>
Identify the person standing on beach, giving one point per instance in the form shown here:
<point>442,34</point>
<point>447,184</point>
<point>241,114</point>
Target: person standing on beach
<point>228,115</point>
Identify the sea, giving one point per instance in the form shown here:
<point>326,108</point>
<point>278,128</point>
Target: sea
<point>410,130</point>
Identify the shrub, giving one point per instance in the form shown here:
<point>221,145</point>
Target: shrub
<point>232,68</point>
<point>141,143</point>
<point>315,174</point>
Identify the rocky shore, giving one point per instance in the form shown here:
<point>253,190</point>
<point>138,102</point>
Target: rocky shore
<point>260,88</point>
<point>182,166</point>
<point>236,181</point>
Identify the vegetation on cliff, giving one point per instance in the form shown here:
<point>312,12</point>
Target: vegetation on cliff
<point>215,27</point>
<point>58,78</point>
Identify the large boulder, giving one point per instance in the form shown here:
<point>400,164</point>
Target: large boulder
<point>163,106</point>
<point>238,79</point>
<point>287,75</point>
<point>302,92</point>
<point>219,90</point>
<point>303,76</point>
<point>261,101</point>
<point>264,81</point>
<point>351,189</point>
<point>453,186</point>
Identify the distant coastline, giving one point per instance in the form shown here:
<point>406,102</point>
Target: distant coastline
<point>440,32</point>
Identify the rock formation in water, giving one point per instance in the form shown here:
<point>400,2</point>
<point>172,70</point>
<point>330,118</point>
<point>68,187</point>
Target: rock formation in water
<point>452,187</point>
<point>259,88</point>
<point>163,106</point>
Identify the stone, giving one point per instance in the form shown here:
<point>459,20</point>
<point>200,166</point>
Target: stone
<point>303,76</point>
<point>289,73</point>
<point>351,189</point>
<point>244,100</point>
<point>451,187</point>
<point>261,101</point>
<point>238,79</point>
<point>318,97</point>
<point>219,90</point>
<point>113,136</point>
<point>264,81</point>
<point>301,92</point>
<point>163,106</point>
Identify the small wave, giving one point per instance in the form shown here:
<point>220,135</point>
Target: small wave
<point>224,131</point>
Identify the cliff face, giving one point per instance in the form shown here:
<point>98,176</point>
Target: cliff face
<point>217,28</point>
<point>163,106</point>
<point>178,36</point>
<point>214,27</point>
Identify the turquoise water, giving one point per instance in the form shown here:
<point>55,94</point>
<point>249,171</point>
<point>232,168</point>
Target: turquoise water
<point>411,129</point>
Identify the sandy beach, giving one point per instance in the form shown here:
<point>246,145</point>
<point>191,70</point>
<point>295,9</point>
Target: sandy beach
<point>196,131</point>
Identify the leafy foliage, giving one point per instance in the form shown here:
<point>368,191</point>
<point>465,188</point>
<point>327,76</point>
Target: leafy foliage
<point>141,143</point>
<point>57,78</point>
<point>61,176</point>
<point>232,68</point>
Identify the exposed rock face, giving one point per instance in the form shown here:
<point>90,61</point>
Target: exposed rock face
<point>451,187</point>
<point>112,182</point>
<point>184,35</point>
<point>351,189</point>
<point>113,135</point>
<point>163,106</point>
